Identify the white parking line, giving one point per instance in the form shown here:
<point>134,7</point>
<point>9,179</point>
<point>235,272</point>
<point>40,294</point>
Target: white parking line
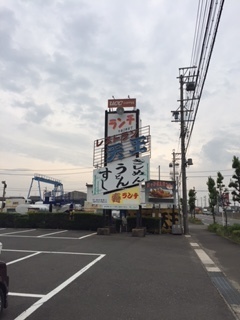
<point>27,295</point>
<point>52,293</point>
<point>55,252</point>
<point>3,234</point>
<point>24,258</point>
<point>20,236</point>
<point>88,235</point>
<point>49,234</point>
<point>45,236</point>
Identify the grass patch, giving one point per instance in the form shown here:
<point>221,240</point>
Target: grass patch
<point>229,232</point>
<point>195,220</point>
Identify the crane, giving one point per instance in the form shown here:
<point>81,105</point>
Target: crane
<point>56,193</point>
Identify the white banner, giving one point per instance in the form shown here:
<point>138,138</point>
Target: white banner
<point>120,174</point>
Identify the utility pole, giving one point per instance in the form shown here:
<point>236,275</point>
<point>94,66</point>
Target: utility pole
<point>173,165</point>
<point>174,181</point>
<point>4,194</point>
<point>183,163</point>
<point>190,81</point>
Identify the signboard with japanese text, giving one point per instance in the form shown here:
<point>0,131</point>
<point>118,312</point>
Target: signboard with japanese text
<point>159,191</point>
<point>117,124</point>
<point>121,158</point>
<point>121,199</point>
<point>125,103</point>
<point>120,174</point>
<point>121,146</point>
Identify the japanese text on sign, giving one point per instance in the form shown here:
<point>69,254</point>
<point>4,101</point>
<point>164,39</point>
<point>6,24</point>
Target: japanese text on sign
<point>120,175</point>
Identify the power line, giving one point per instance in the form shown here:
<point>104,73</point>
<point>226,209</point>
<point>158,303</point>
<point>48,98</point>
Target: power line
<point>34,170</point>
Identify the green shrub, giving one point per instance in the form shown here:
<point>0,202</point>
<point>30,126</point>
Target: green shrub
<point>21,221</point>
<point>234,227</point>
<point>221,231</point>
<point>48,220</point>
<point>7,220</point>
<point>151,224</point>
<point>195,220</point>
<point>230,232</point>
<point>236,235</point>
<point>87,221</point>
<point>213,227</point>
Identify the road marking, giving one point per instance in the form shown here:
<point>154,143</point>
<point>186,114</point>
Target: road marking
<point>35,237</point>
<point>45,236</point>
<point>49,234</point>
<point>3,234</point>
<point>54,252</point>
<point>206,260</point>
<point>88,235</point>
<point>194,244</point>
<point>52,293</point>
<point>24,258</point>
<point>213,269</point>
<point>28,295</point>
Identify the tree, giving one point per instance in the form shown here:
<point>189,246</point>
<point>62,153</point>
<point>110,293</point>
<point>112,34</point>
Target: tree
<point>213,195</point>
<point>235,181</point>
<point>191,201</point>
<point>222,195</point>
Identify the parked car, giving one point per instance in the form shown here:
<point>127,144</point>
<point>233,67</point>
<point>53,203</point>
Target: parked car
<point>206,211</point>
<point>4,285</point>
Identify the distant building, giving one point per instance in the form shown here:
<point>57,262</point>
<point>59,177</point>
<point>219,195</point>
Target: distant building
<point>77,197</point>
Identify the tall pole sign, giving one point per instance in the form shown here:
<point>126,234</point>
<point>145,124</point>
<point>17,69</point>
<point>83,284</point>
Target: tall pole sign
<point>121,158</point>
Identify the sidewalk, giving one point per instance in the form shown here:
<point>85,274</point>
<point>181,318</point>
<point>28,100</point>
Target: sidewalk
<point>226,256</point>
<point>155,277</point>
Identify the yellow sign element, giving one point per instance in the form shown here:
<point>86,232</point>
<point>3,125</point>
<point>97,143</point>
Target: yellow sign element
<point>125,197</point>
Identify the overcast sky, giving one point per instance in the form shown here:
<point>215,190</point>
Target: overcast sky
<point>61,60</point>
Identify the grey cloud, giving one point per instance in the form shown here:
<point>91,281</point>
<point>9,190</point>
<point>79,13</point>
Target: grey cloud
<point>50,145</point>
<point>35,112</point>
<point>8,25</point>
<point>79,32</point>
<point>221,149</point>
<point>58,67</point>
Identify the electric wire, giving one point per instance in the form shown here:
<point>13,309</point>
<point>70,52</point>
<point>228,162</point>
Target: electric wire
<point>206,27</point>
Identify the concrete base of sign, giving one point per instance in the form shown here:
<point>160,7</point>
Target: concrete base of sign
<point>140,232</point>
<point>176,229</point>
<point>103,231</point>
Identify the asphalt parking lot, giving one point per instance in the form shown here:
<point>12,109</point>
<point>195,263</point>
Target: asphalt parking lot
<point>65,274</point>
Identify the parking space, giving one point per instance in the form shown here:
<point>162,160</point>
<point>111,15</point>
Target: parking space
<point>64,274</point>
<point>37,275</point>
<point>41,233</point>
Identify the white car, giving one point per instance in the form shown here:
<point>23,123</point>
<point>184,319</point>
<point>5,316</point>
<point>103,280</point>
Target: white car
<point>0,247</point>
<point>208,213</point>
